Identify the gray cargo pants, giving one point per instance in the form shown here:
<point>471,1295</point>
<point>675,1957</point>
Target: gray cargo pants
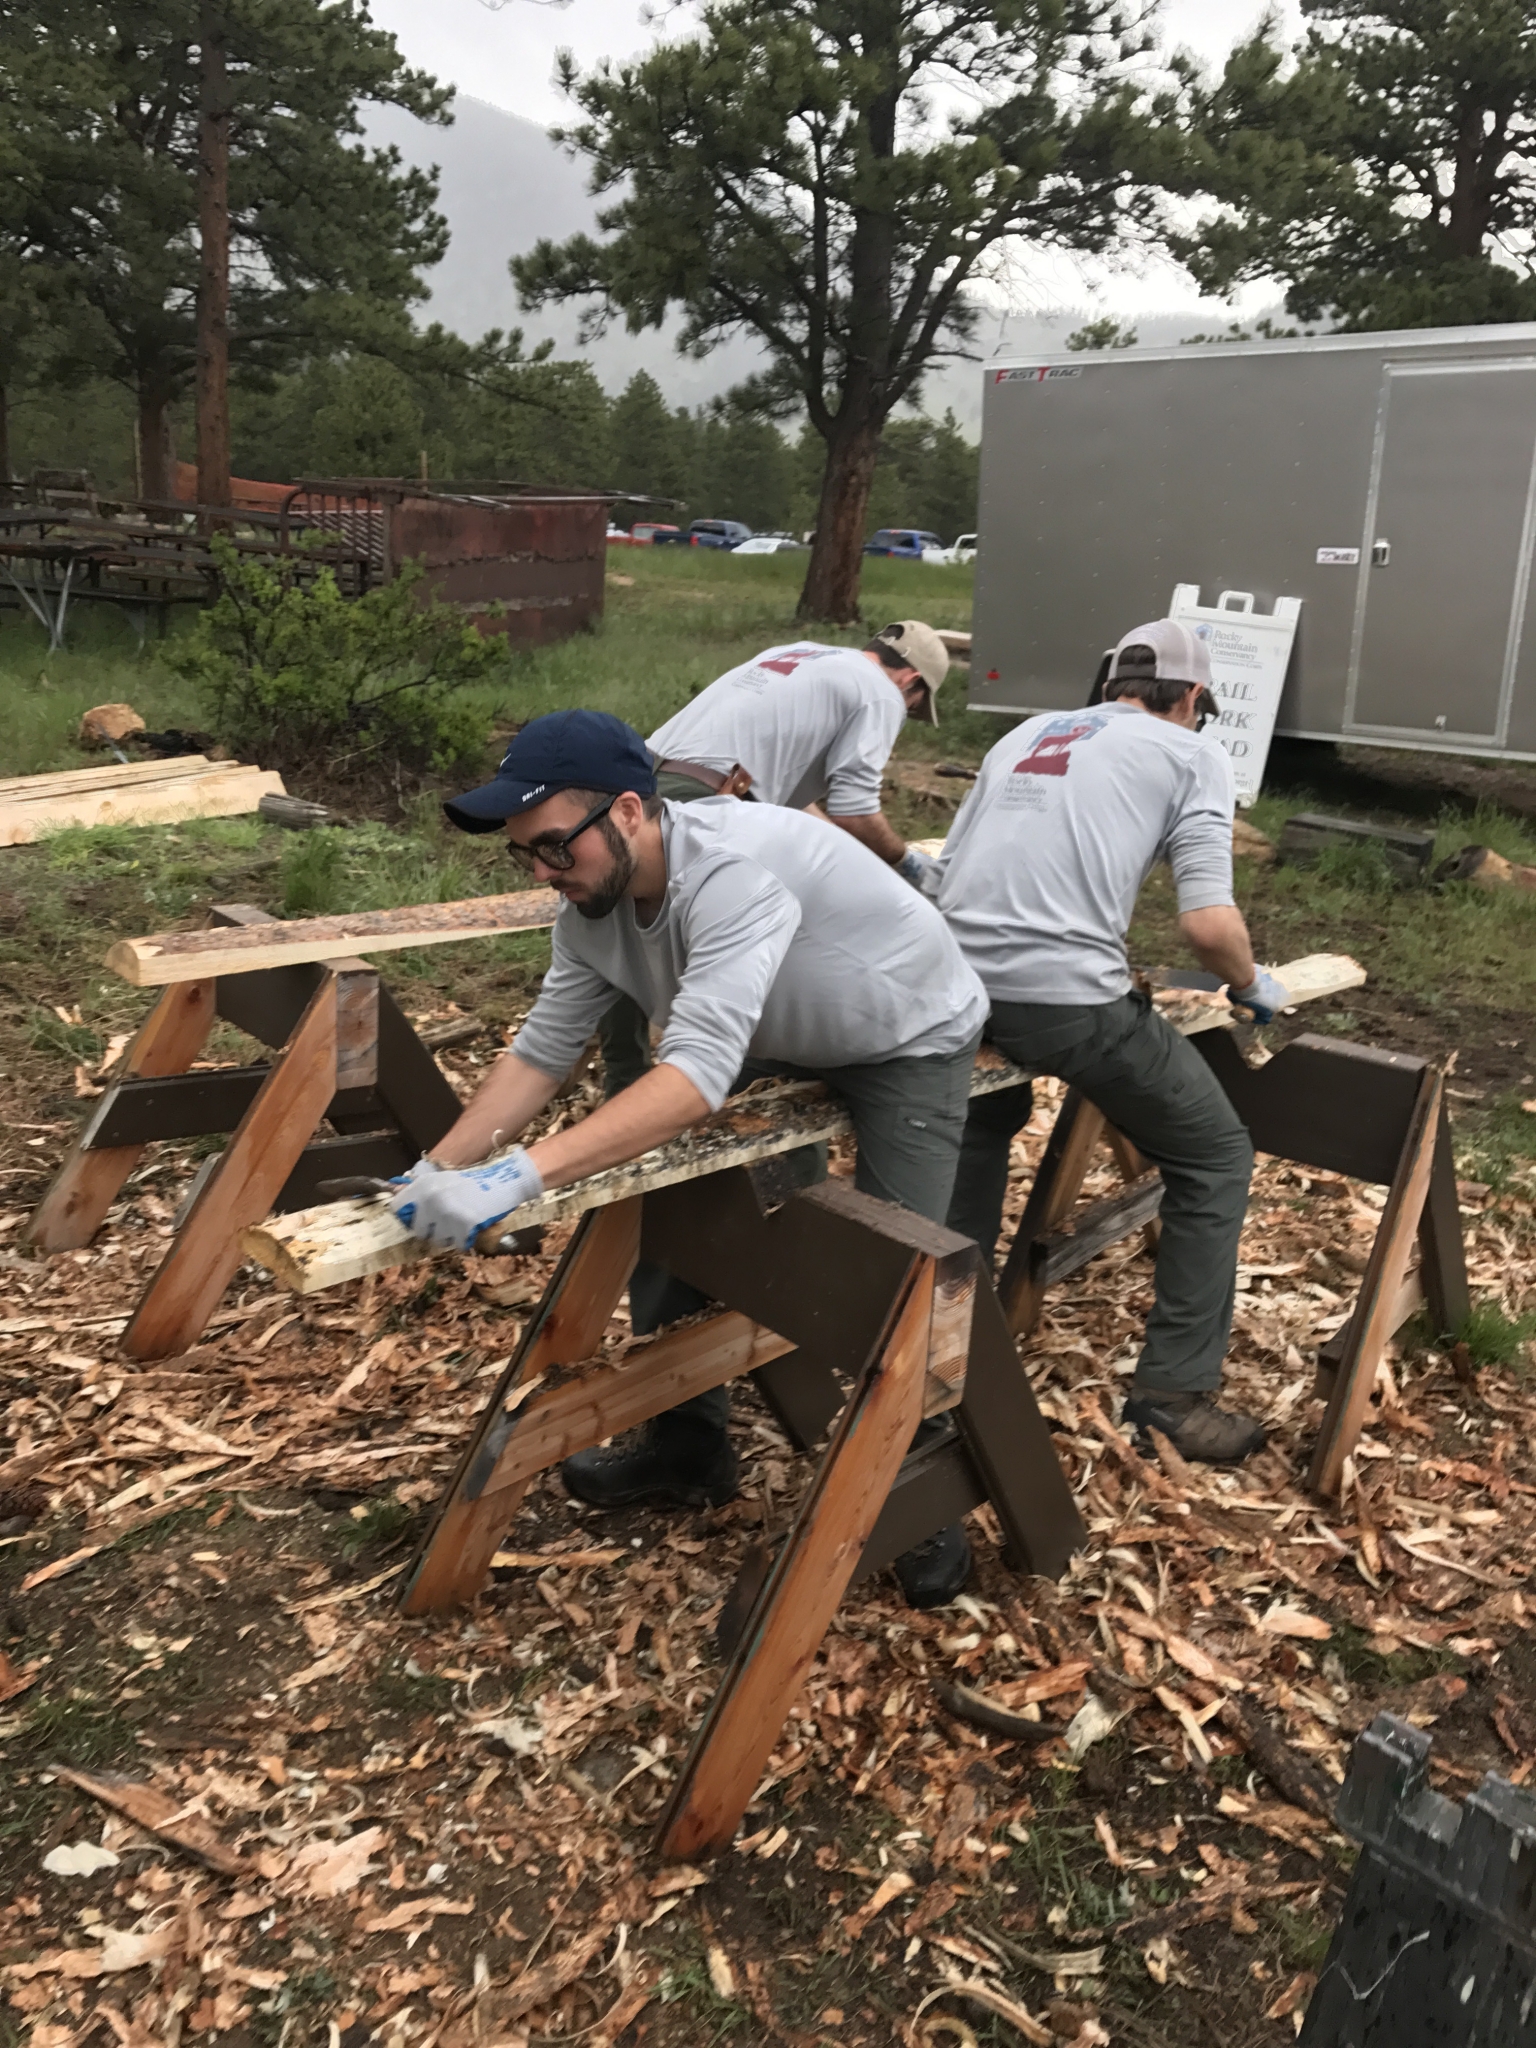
<point>1152,1085</point>
<point>908,1116</point>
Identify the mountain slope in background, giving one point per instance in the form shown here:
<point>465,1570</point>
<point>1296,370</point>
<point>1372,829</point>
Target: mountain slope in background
<point>504,184</point>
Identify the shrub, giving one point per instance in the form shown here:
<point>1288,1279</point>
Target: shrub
<point>306,680</point>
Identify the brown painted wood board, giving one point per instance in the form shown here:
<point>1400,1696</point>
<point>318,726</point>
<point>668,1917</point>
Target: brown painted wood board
<point>357,1024</point>
<point>250,1173</point>
<point>1322,1101</point>
<point>168,1041</point>
<point>185,956</point>
<point>1410,1299</point>
<point>475,1512</point>
<point>949,1349</point>
<point>600,1399</point>
<point>934,1486</point>
<point>1011,1448</point>
<point>1058,1182</point>
<point>804,1587</point>
<point>1442,1250</point>
<point>1386,1269</point>
<point>1094,1229</point>
<point>224,793</point>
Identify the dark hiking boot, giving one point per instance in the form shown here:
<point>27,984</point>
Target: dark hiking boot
<point>670,1463</point>
<point>1194,1425</point>
<point>934,1571</point>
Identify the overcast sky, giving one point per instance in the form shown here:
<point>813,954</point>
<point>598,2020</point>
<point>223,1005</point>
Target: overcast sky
<point>505,54</point>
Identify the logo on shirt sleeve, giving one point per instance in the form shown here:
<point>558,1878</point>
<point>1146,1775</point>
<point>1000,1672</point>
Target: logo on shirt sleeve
<point>1052,751</point>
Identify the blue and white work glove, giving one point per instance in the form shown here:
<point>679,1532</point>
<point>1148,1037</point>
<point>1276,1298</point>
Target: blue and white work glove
<point>446,1206</point>
<point>1264,996</point>
<point>921,870</point>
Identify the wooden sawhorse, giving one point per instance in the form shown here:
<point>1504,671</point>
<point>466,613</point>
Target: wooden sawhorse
<point>1320,1102</point>
<point>831,1288</point>
<point>346,1055</point>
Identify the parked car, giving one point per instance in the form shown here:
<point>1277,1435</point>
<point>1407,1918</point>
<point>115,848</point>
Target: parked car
<point>645,531</point>
<point>963,551</point>
<point>769,544</point>
<point>619,538</point>
<point>904,543</point>
<point>709,533</point>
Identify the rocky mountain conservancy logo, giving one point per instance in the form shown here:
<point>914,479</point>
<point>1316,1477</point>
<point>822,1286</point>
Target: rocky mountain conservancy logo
<point>1051,754</point>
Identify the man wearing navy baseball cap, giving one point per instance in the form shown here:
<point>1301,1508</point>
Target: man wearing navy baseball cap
<point>759,940</point>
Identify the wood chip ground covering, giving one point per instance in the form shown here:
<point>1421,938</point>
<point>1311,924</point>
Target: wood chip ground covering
<point>342,1827</point>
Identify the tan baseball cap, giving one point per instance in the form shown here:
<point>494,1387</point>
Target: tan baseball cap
<point>921,648</point>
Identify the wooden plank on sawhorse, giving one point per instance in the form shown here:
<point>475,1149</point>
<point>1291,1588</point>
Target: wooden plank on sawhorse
<point>169,957</point>
<point>346,1240</point>
<point>840,1306</point>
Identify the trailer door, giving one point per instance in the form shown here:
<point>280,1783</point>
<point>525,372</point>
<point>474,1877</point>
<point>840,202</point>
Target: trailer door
<point>1446,552</point>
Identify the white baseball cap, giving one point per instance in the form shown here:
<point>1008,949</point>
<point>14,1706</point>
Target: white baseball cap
<point>1179,655</point>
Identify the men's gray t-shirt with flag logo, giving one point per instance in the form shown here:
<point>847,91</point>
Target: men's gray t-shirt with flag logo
<point>1068,816</point>
<point>809,723</point>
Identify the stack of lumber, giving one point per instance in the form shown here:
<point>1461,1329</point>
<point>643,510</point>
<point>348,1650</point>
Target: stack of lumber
<point>143,793</point>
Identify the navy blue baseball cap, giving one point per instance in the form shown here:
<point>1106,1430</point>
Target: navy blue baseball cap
<point>561,750</point>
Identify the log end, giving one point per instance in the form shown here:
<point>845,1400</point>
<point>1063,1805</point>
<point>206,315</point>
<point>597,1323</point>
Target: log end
<point>125,959</point>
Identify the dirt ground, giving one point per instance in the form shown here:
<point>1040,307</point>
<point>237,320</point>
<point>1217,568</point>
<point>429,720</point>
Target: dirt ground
<point>436,1834</point>
<point>438,1831</point>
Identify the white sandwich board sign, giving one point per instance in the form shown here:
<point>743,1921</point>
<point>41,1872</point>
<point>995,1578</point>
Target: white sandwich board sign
<point>1250,653</point>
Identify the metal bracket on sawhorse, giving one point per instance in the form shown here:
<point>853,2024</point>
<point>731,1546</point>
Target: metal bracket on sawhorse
<point>1321,1103</point>
<point>845,1310</point>
<point>346,1055</point>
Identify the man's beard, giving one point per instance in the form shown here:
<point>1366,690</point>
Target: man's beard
<point>604,900</point>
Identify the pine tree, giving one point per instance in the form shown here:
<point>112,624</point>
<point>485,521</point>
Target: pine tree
<point>328,235</point>
<point>782,172</point>
<point>1385,168</point>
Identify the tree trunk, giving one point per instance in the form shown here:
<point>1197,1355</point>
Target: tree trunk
<point>213,486</point>
<point>5,435</point>
<point>853,444</point>
<point>832,575</point>
<point>155,451</point>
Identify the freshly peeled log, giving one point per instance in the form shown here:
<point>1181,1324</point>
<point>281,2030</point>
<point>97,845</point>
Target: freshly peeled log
<point>1488,869</point>
<point>105,724</point>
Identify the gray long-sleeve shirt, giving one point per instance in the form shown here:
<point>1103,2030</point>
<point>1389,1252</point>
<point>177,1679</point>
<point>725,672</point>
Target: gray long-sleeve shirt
<point>809,723</point>
<point>1045,860</point>
<point>778,936</point>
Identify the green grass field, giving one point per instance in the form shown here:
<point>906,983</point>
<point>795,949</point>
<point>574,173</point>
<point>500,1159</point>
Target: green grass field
<point>683,617</point>
<point>1449,969</point>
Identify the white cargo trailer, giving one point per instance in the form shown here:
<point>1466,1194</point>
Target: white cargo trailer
<point>1386,480</point>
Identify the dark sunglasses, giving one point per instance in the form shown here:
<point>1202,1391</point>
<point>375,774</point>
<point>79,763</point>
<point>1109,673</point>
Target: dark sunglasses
<point>553,849</point>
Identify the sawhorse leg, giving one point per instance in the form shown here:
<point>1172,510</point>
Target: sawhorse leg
<point>1058,1181</point>
<point>1001,1453</point>
<point>480,1503</point>
<point>1063,1168</point>
<point>1373,1320</point>
<point>169,1040</point>
<point>205,1253</point>
<point>804,1587</point>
